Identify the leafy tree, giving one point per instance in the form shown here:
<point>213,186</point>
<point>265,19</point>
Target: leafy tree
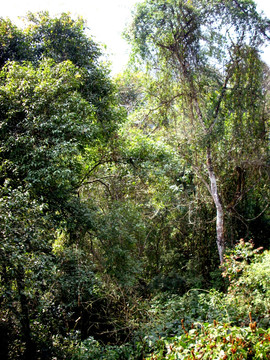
<point>201,55</point>
<point>61,38</point>
<point>13,43</point>
<point>45,125</point>
<point>53,109</point>
<point>58,111</point>
<point>26,238</point>
<point>64,38</point>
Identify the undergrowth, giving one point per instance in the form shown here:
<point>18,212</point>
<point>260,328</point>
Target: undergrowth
<point>204,324</point>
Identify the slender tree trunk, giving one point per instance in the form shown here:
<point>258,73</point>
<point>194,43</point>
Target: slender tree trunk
<point>30,349</point>
<point>194,103</point>
<point>219,208</point>
<point>213,182</point>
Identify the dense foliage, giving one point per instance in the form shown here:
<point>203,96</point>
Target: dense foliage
<point>202,61</point>
<point>122,201</point>
<point>58,111</point>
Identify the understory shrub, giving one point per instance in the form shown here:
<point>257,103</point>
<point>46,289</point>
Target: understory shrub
<point>203,324</point>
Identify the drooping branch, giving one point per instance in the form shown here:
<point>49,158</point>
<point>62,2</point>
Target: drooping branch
<point>99,181</point>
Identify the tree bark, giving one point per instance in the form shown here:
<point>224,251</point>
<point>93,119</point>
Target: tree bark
<point>220,240</point>
<point>219,207</point>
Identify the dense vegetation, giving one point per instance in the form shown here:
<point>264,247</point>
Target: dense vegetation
<point>123,201</point>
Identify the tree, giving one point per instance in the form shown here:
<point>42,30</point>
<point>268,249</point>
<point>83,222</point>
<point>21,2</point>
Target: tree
<point>26,266</point>
<point>64,38</point>
<point>202,54</point>
<point>47,125</point>
<point>13,43</point>
<point>57,112</point>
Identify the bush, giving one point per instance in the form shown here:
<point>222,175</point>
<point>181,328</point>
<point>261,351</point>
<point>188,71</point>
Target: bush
<point>91,349</point>
<point>215,341</point>
<point>248,271</point>
<point>213,325</point>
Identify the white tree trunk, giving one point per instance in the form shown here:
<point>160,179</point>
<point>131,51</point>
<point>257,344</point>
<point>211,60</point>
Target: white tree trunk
<point>219,207</point>
<point>212,176</point>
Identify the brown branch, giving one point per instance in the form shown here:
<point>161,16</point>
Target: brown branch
<point>101,182</point>
<point>88,173</point>
<point>260,214</point>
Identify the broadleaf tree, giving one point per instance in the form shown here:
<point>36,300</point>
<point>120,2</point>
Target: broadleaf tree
<point>57,110</point>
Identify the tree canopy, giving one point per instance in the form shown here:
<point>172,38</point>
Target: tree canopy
<point>58,111</point>
<point>128,204</point>
<point>209,52</point>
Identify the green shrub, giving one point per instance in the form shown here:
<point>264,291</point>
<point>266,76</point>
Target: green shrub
<point>213,325</point>
<point>203,324</point>
<point>249,291</point>
<point>215,341</point>
<point>91,349</point>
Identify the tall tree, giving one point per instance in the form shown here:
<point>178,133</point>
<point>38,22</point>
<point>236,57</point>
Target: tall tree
<point>38,131</point>
<point>205,53</point>
<point>57,110</point>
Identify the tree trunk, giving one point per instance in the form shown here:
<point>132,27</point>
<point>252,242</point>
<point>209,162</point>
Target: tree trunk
<point>30,349</point>
<point>219,208</point>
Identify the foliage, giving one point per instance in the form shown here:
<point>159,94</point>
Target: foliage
<point>91,349</point>
<point>108,227</point>
<point>248,271</point>
<point>218,341</point>
<point>61,38</point>
<point>200,324</point>
<point>26,265</point>
<point>205,87</point>
<point>57,107</point>
<point>40,288</point>
<point>211,324</point>
<point>42,132</point>
<point>13,43</point>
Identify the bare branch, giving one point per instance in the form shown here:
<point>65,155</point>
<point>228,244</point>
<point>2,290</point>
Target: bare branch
<point>101,182</point>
